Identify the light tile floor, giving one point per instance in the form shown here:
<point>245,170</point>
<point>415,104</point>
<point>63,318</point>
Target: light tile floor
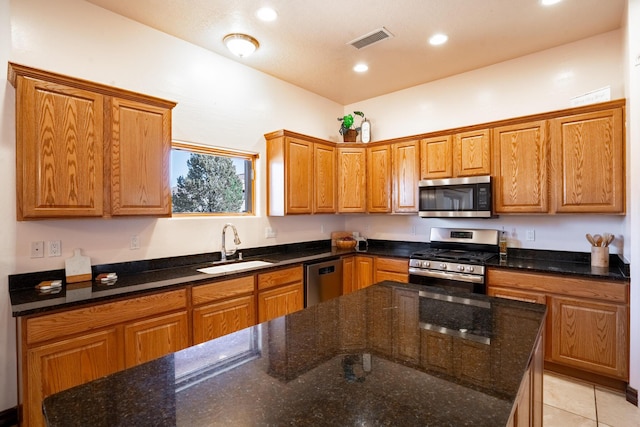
<point>572,403</point>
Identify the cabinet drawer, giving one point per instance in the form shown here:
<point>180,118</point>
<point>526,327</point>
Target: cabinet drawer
<point>84,319</point>
<point>393,265</point>
<point>222,290</point>
<point>604,290</point>
<point>279,277</point>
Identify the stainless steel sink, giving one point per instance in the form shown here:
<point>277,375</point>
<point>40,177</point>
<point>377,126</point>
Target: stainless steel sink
<point>236,266</point>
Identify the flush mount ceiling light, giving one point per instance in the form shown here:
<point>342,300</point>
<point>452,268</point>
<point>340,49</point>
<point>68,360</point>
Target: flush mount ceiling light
<point>360,68</point>
<point>267,14</point>
<point>549,2</point>
<point>240,44</point>
<point>438,39</point>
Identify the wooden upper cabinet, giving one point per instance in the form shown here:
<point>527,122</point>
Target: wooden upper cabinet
<point>406,174</point>
<point>379,179</point>
<point>59,150</point>
<point>472,153</point>
<point>520,164</point>
<point>140,155</point>
<point>325,177</point>
<point>352,179</point>
<point>436,157</point>
<point>587,158</point>
<point>88,150</point>
<point>301,174</point>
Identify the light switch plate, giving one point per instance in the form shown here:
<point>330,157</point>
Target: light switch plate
<point>531,235</point>
<point>37,249</point>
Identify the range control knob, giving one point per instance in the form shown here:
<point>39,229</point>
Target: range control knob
<point>461,268</point>
<point>470,268</point>
<point>443,266</point>
<point>426,264</point>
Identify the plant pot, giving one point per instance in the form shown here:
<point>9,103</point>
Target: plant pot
<point>350,136</point>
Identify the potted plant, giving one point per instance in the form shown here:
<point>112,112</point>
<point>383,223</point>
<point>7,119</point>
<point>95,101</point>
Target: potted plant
<point>347,130</point>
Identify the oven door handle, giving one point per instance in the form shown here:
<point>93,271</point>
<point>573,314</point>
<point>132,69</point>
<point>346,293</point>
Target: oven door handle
<point>461,277</point>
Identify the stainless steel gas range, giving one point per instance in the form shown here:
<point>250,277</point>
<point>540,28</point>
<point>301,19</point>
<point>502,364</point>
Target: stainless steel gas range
<point>456,259</point>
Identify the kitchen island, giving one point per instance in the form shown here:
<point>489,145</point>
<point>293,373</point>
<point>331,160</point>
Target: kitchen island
<point>390,354</point>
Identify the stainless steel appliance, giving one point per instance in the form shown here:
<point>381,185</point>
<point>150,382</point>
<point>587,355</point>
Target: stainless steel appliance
<point>455,259</point>
<point>468,197</point>
<point>323,281</point>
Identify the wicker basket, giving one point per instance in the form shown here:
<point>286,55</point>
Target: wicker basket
<point>345,244</point>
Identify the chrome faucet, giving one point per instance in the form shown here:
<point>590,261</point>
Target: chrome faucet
<point>236,240</point>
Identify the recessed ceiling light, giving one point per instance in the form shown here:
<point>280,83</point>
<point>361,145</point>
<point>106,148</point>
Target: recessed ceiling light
<point>267,14</point>
<point>240,44</point>
<point>549,2</point>
<point>360,68</point>
<point>438,39</point>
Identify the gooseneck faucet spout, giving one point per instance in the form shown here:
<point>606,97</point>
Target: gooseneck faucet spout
<point>236,240</point>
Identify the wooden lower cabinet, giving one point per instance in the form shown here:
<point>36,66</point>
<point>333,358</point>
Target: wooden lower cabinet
<point>587,319</point>
<point>223,307</point>
<point>60,365</point>
<point>280,292</point>
<point>149,339</point>
<point>529,404</point>
<point>357,273</point>
<point>222,318</point>
<point>65,349</point>
<point>590,335</point>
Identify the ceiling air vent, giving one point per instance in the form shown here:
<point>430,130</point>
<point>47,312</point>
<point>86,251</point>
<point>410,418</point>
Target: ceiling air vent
<point>371,38</point>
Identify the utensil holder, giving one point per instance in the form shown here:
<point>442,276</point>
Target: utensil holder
<point>599,256</point>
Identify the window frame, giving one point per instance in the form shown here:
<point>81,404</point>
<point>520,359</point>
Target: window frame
<point>193,147</point>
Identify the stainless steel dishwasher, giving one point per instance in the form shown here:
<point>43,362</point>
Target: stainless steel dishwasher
<point>323,281</point>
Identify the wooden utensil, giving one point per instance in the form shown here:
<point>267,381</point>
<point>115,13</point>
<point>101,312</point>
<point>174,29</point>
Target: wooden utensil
<point>608,238</point>
<point>590,239</point>
<point>598,239</point>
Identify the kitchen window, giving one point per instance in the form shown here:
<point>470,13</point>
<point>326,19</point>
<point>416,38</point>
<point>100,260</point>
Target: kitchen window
<point>211,181</point>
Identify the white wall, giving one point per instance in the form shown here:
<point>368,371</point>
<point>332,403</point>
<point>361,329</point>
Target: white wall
<point>8,379</point>
<point>226,104</point>
<point>633,179</point>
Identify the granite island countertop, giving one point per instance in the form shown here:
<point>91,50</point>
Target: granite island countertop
<point>385,355</point>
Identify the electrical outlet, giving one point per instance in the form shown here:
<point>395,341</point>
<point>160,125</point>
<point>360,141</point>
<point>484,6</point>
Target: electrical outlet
<point>322,228</point>
<point>134,243</point>
<point>269,233</point>
<point>531,235</point>
<point>55,248</point>
<point>37,249</point>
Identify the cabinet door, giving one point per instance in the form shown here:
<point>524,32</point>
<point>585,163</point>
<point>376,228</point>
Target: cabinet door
<point>588,162</point>
<point>59,150</point>
<point>406,174</point>
<point>324,178</point>
<point>590,335</point>
<point>436,157</point>
<point>65,364</point>
<point>156,337</point>
<point>363,271</point>
<point>379,179</point>
<point>352,179</point>
<point>140,155</point>
<point>222,318</point>
<point>299,176</point>
<point>520,168</point>
<point>472,153</point>
<point>280,301</point>
<point>348,275</point>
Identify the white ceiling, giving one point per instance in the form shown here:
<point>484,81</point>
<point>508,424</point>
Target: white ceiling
<point>308,44</point>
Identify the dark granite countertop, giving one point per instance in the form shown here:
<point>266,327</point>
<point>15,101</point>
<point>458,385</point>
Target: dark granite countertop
<point>562,262</point>
<point>138,277</point>
<point>386,355</point>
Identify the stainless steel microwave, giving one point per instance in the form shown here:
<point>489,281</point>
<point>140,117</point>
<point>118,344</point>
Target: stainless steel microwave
<point>468,197</point>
